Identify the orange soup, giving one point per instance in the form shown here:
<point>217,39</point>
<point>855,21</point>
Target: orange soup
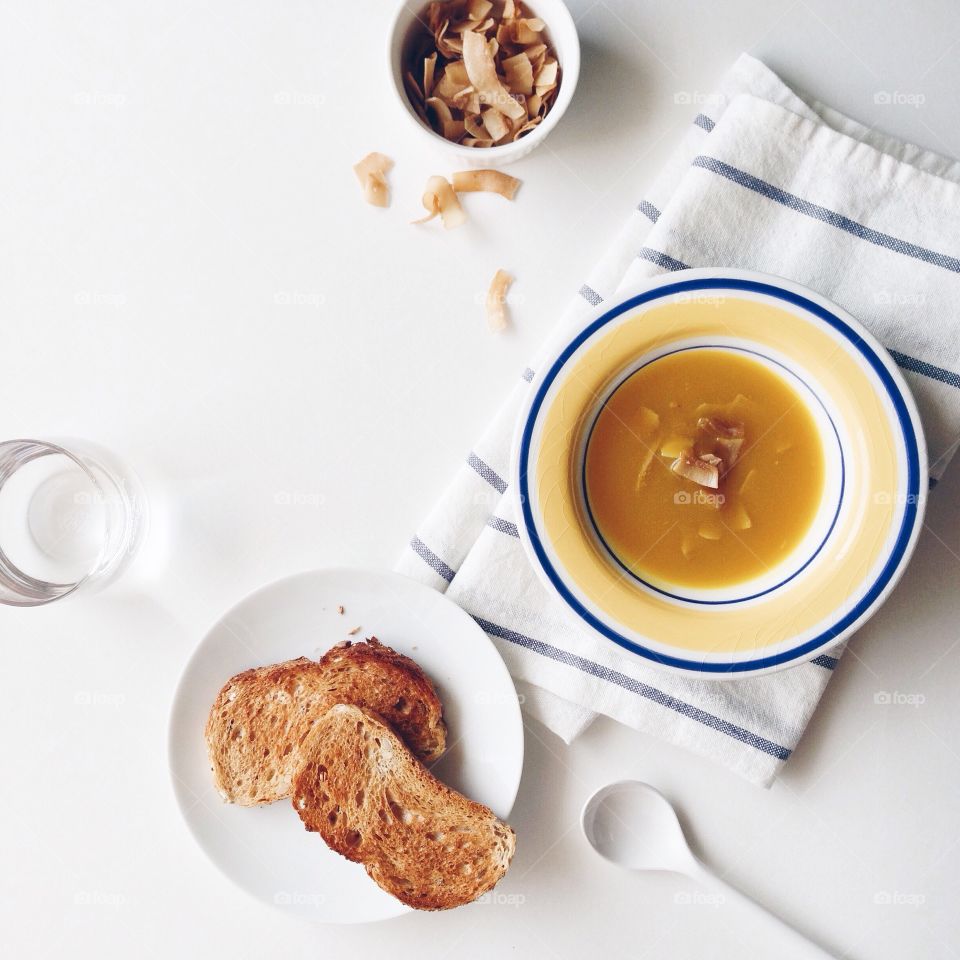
<point>704,469</point>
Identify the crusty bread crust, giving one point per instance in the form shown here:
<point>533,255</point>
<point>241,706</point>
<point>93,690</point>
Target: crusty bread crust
<point>374,803</point>
<point>260,719</point>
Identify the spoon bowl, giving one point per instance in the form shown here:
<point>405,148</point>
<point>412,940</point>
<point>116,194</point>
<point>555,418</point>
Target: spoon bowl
<point>633,825</point>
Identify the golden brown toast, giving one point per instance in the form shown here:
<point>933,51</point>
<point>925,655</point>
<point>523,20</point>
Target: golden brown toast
<point>261,717</point>
<point>373,802</point>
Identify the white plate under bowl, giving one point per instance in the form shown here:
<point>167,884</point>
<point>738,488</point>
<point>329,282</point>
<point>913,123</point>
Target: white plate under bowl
<point>266,850</point>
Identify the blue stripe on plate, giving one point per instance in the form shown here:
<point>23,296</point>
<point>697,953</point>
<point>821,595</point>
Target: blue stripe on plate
<point>635,686</point>
<point>431,559</point>
<point>825,215</point>
<point>488,473</point>
<point>908,433</point>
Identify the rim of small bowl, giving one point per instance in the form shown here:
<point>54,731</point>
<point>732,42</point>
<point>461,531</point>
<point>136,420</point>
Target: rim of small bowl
<point>557,17</point>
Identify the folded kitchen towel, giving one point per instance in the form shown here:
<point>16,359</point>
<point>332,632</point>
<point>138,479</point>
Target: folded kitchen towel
<point>764,180</point>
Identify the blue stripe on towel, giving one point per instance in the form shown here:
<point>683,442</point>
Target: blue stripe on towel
<point>649,210</point>
<point>926,369</point>
<point>590,295</point>
<point>635,686</point>
<point>488,473</point>
<point>661,259</point>
<point>830,217</point>
<point>702,120</point>
<point>823,660</point>
<point>431,559</point>
<point>504,526</point>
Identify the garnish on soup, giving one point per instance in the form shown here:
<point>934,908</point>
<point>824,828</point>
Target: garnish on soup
<point>704,469</point>
<point>480,73</point>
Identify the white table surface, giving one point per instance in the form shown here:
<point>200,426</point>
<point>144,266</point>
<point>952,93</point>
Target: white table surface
<point>189,276</point>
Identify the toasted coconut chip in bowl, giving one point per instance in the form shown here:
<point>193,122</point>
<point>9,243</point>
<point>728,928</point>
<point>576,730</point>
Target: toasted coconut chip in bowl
<point>491,66</point>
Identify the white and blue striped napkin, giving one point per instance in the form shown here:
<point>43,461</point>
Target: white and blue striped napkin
<point>764,180</point>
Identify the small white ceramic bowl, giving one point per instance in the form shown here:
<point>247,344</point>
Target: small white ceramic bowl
<point>563,36</point>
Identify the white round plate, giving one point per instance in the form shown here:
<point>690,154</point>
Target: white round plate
<point>266,850</point>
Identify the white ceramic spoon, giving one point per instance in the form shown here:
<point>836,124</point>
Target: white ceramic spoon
<point>634,826</point>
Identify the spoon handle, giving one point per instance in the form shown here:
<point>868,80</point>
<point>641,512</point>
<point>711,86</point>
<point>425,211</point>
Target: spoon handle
<point>709,879</point>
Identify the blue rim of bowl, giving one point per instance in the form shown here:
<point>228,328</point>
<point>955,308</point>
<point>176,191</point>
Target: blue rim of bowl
<point>678,596</point>
<point>912,497</point>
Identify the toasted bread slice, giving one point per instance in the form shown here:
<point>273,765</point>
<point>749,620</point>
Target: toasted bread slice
<point>373,802</point>
<point>261,717</point>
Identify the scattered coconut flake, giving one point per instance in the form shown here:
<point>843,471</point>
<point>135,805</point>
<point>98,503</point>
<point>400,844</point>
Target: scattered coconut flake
<point>439,198</point>
<point>485,181</point>
<point>497,300</point>
<point>340,609</point>
<point>371,171</point>
<point>355,630</point>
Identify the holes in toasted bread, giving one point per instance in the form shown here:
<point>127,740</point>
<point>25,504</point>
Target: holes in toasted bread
<point>358,798</point>
<point>402,706</point>
<point>437,836</point>
<point>353,838</point>
<point>405,816</point>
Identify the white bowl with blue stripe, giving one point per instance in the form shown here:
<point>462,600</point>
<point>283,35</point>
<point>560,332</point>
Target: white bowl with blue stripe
<point>871,507</point>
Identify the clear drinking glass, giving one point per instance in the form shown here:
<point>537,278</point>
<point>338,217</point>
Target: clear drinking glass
<point>72,517</point>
